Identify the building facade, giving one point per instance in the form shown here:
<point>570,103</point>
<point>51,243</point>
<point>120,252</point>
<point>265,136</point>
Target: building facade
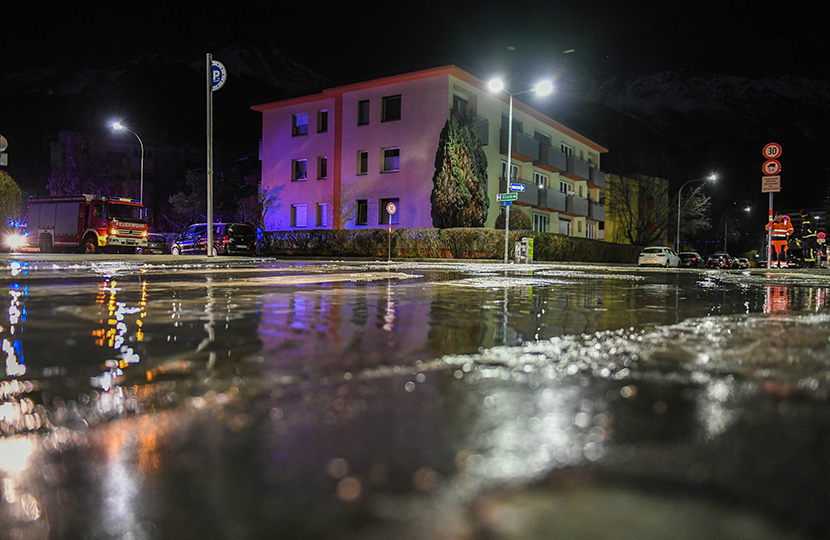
<point>337,158</point>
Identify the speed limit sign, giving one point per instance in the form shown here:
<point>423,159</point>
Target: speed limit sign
<point>772,151</point>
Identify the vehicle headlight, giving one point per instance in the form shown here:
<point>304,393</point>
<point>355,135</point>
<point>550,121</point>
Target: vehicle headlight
<point>15,240</point>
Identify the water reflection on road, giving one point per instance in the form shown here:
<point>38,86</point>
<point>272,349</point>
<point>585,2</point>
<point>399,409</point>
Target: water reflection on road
<point>245,397</point>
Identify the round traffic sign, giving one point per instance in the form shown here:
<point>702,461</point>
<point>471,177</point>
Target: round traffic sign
<point>821,236</point>
<point>772,167</point>
<point>218,75</point>
<point>391,208</point>
<point>772,151</point>
<point>4,143</point>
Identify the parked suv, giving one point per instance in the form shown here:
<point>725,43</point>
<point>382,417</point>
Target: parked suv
<point>228,239</point>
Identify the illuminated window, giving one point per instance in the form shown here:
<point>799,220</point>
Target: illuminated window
<point>299,125</point>
<point>363,112</point>
<point>298,215</point>
<point>322,121</point>
<point>362,212</point>
<point>362,162</point>
<point>391,109</point>
<point>299,169</point>
<point>391,159</point>
<point>322,168</point>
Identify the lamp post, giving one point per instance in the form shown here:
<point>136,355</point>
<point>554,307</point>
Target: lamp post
<point>726,224</point>
<point>496,85</point>
<point>711,178</point>
<point>121,127</point>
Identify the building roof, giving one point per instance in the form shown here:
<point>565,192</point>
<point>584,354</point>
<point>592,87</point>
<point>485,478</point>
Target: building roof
<point>328,93</point>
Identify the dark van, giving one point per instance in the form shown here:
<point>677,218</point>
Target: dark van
<point>228,239</point>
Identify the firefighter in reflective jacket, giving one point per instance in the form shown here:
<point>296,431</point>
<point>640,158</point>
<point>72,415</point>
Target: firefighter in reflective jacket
<point>780,229</point>
<point>809,239</point>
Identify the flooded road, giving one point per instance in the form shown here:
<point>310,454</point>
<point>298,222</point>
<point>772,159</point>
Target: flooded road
<point>164,397</point>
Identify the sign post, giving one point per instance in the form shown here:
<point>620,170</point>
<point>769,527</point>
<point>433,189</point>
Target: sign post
<point>391,208</point>
<point>216,76</point>
<point>771,183</point>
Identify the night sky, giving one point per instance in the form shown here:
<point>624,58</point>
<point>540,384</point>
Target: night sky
<point>353,40</point>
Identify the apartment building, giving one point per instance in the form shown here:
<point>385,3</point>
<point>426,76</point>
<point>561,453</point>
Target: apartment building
<point>335,159</point>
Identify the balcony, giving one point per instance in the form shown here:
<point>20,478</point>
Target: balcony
<point>596,178</point>
<point>525,148</point>
<point>553,200</point>
<point>577,206</point>
<point>577,169</point>
<point>529,197</point>
<point>596,211</point>
<point>551,159</point>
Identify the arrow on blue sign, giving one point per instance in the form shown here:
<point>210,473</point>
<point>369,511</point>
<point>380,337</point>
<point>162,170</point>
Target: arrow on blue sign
<point>517,187</point>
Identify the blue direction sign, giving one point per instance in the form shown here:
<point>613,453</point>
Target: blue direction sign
<point>517,187</point>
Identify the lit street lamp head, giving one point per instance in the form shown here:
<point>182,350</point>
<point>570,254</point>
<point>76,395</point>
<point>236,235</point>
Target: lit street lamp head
<point>496,85</point>
<point>544,88</point>
<point>117,125</point>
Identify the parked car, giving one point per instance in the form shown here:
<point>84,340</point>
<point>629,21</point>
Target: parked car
<point>658,256</point>
<point>228,239</point>
<point>691,259</point>
<point>722,260</point>
<point>156,243</point>
<point>743,263</point>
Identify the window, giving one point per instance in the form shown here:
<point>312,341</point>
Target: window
<point>543,138</point>
<point>363,112</point>
<point>540,180</point>
<point>391,109</point>
<point>299,169</point>
<point>459,103</point>
<point>579,226</point>
<point>505,119</point>
<point>567,150</point>
<point>322,121</point>
<point>322,212</point>
<point>322,168</point>
<point>298,215</point>
<point>391,159</point>
<point>299,125</point>
<point>362,162</point>
<point>514,171</point>
<point>564,227</point>
<point>591,231</point>
<point>362,212</point>
<point>384,215</point>
<point>540,222</point>
<point>566,187</point>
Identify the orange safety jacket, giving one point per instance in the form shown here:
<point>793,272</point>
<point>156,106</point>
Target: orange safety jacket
<point>781,230</point>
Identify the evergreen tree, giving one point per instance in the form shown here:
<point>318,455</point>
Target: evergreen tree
<point>459,196</point>
<point>11,200</point>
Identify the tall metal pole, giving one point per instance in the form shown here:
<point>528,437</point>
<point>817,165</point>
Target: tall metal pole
<point>507,179</point>
<point>209,246</point>
<point>769,233</point>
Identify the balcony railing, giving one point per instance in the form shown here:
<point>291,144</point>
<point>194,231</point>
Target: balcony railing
<point>577,169</point>
<point>577,206</point>
<point>524,148</point>
<point>551,159</point>
<point>596,211</point>
<point>596,177</point>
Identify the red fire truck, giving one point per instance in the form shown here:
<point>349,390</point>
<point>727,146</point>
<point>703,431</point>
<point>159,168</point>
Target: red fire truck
<point>87,222</point>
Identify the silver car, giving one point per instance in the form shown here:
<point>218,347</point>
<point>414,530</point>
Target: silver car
<point>659,256</point>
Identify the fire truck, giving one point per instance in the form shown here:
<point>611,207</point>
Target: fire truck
<point>90,223</point>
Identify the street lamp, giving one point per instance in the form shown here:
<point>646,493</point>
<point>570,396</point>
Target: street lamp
<point>711,178</point>
<point>726,224</point>
<point>497,85</point>
<point>120,127</point>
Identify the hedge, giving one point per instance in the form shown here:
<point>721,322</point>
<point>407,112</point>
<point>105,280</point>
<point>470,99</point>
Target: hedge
<point>460,243</point>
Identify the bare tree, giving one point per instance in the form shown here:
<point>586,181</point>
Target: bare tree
<point>347,204</point>
<point>694,212</point>
<point>638,207</point>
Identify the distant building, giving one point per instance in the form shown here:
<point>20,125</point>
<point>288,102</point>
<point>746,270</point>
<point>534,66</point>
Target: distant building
<point>112,162</point>
<point>336,159</point>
